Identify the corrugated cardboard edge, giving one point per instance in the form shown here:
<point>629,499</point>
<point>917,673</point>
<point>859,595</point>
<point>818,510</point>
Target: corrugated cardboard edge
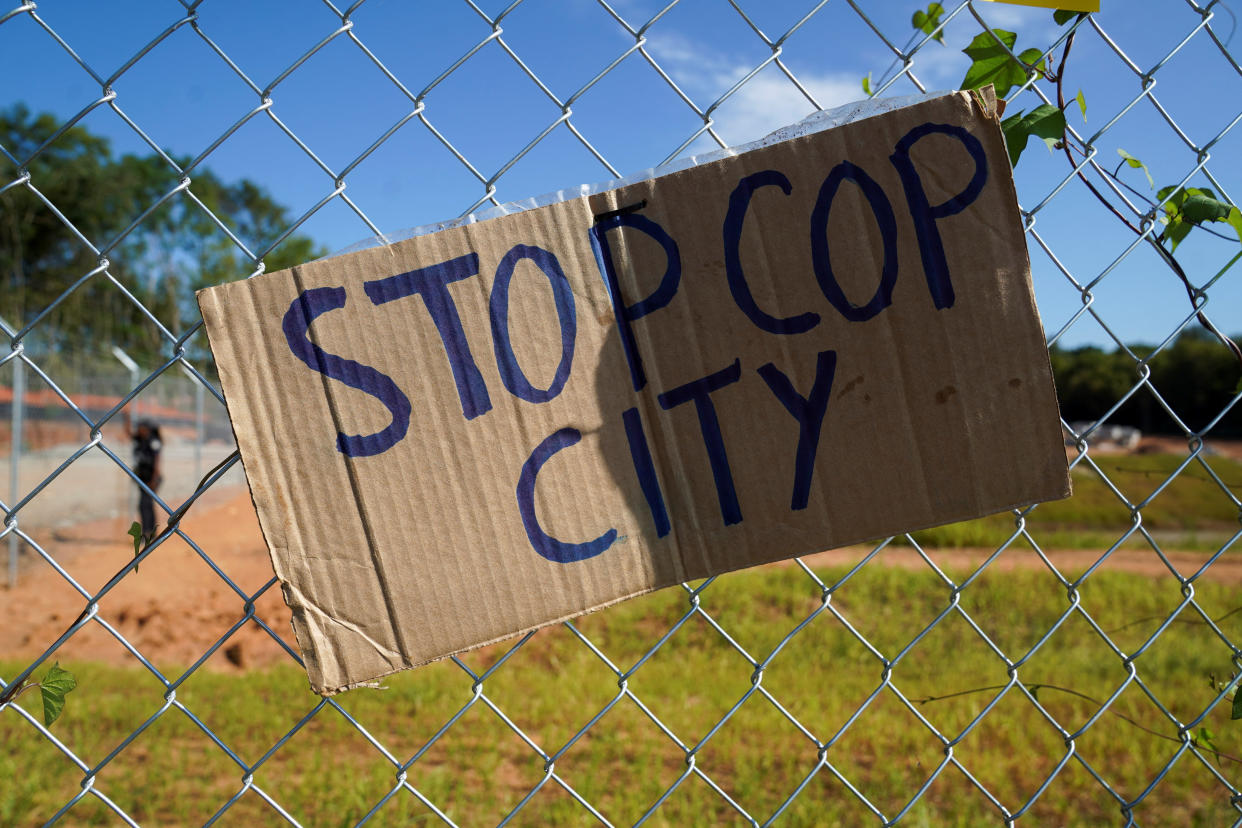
<point>259,497</point>
<point>990,108</point>
<point>332,691</point>
<point>983,102</point>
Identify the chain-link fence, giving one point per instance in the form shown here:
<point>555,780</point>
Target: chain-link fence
<point>195,436</point>
<point>1059,665</point>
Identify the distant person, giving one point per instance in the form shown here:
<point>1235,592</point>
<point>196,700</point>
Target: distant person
<point>147,446</point>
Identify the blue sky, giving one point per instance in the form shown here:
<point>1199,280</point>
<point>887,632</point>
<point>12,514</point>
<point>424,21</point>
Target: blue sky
<point>338,103</point>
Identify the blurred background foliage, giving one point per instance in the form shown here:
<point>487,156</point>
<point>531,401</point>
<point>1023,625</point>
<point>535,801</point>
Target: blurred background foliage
<point>173,252</point>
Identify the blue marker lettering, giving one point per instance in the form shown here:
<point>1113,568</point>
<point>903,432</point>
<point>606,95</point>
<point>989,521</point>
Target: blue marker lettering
<point>739,202</point>
<point>625,314</point>
<point>809,412</point>
<point>699,392</point>
<point>925,215</point>
<point>432,284</point>
<point>549,547</point>
<point>510,372</point>
<point>296,323</point>
<point>644,467</point>
<point>882,211</point>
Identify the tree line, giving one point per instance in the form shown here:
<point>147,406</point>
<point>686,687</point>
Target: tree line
<point>178,249</point>
<point>1195,375</point>
<point>160,263</point>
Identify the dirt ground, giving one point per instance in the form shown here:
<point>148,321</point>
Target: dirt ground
<point>176,607</point>
<point>172,610</point>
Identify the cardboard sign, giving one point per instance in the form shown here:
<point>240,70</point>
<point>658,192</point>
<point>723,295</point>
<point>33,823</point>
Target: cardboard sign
<point>477,432</point>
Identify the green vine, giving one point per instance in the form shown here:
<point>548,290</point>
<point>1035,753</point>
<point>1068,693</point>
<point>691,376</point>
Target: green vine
<point>1177,209</point>
<point>53,687</point>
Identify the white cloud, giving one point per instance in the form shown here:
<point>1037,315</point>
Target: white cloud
<point>677,52</point>
<point>769,101</point>
<point>765,102</point>
<point>942,67</point>
<point>1015,18</point>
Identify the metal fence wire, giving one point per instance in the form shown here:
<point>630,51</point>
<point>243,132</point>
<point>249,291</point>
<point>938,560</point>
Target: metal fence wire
<point>844,767</point>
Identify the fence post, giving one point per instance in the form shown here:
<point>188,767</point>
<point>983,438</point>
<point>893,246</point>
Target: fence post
<point>198,424</point>
<point>15,446</point>
<point>134,371</point>
<point>15,456</point>
<point>134,374</point>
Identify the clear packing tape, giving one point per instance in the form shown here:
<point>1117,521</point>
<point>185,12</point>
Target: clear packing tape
<point>815,122</point>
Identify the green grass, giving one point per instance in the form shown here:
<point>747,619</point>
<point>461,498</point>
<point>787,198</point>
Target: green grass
<point>1192,512</point>
<point>328,775</point>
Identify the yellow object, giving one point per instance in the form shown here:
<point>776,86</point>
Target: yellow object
<point>1064,5</point>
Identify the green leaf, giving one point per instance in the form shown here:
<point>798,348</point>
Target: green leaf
<point>1137,164</point>
<point>135,529</point>
<point>1206,738</point>
<point>927,21</point>
<point>1045,121</point>
<point>1201,207</point>
<point>1062,16</point>
<point>55,685</point>
<point>1186,207</point>
<point>866,84</point>
<point>1035,58</point>
<point>1082,104</point>
<point>1234,220</point>
<point>1175,197</point>
<point>1236,713</point>
<point>1015,138</point>
<point>1176,231</point>
<point>992,63</point>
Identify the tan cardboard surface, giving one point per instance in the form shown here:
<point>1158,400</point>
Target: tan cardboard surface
<point>499,470</point>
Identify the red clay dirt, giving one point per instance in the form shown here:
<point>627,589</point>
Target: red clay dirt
<point>171,610</point>
<point>175,607</point>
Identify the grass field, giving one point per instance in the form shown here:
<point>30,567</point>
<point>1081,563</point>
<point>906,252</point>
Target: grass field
<point>1192,512</point>
<point>327,774</point>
